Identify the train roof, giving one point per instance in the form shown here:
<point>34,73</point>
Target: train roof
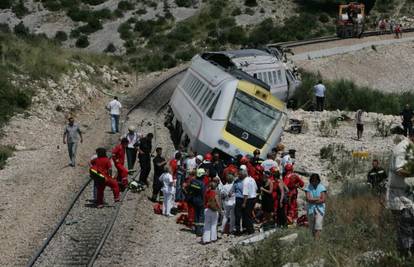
<point>227,61</point>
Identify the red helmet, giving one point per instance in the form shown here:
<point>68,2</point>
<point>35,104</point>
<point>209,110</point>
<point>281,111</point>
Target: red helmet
<point>288,167</point>
<point>208,157</point>
<point>259,168</point>
<point>244,160</point>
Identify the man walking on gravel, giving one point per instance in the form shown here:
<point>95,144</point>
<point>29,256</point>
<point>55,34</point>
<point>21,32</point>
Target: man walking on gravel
<point>144,156</point>
<point>319,90</point>
<point>114,108</point>
<point>359,123</point>
<point>71,136</point>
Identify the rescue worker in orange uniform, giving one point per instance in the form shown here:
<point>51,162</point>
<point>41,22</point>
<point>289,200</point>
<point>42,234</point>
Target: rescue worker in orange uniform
<point>118,157</point>
<point>102,165</point>
<point>293,182</point>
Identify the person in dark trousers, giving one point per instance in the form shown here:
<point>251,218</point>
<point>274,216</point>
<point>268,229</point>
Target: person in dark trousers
<point>359,123</point>
<point>145,149</point>
<point>159,163</point>
<point>132,148</point>
<point>406,117</point>
<point>377,177</point>
<point>195,198</point>
<point>71,136</point>
<point>320,90</point>
<point>237,190</point>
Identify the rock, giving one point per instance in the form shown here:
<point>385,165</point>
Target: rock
<point>290,264</point>
<point>106,77</point>
<point>19,147</point>
<point>289,238</point>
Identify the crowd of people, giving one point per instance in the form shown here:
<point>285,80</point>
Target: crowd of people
<point>234,193</point>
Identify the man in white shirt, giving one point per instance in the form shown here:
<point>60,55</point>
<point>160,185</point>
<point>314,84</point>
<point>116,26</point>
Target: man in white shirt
<point>114,108</point>
<point>249,199</point>
<point>320,95</point>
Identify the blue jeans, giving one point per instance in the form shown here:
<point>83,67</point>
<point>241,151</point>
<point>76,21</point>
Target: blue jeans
<point>115,123</point>
<point>179,193</point>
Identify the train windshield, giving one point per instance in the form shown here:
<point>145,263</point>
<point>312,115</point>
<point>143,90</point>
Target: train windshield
<point>253,117</point>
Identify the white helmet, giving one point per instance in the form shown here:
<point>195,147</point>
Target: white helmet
<point>131,128</point>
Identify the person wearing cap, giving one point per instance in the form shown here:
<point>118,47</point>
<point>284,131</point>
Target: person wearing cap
<point>114,108</point>
<point>132,148</point>
<point>195,197</point>
<point>249,200</point>
<point>118,157</point>
<point>71,136</point>
<point>315,198</point>
<point>237,190</point>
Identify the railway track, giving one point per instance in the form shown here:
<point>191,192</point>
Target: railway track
<point>291,44</point>
<point>81,232</point>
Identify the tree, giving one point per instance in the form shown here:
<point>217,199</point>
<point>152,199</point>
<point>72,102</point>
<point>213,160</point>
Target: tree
<point>82,42</point>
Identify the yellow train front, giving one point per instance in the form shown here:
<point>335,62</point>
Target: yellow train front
<point>219,107</point>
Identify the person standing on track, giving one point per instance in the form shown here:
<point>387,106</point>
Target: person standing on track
<point>168,190</point>
<point>102,165</point>
<point>249,200</point>
<point>159,163</point>
<point>118,157</point>
<point>212,206</point>
<point>320,90</point>
<point>114,108</point>
<point>144,156</point>
<point>195,198</point>
<point>71,136</point>
<point>132,149</point>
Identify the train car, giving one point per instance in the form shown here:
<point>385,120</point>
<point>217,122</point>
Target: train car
<point>224,109</point>
<point>261,64</point>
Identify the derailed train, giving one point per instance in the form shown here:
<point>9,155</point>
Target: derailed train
<point>222,104</point>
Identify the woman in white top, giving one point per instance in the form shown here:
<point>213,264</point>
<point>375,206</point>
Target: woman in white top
<point>168,189</point>
<point>229,201</point>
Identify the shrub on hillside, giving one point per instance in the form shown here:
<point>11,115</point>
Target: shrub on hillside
<point>237,11</point>
<point>5,153</point>
<point>250,3</point>
<point>77,14</point>
<point>5,4</point>
<point>125,31</point>
<point>324,18</point>
<point>82,42</point>
<point>93,25</point>
<point>110,48</point>
<point>61,36</point>
<point>20,9</point>
<point>4,28</point>
<point>181,33</point>
<point>249,11</point>
<point>52,5</point>
<point>104,13</point>
<point>125,5</point>
<point>183,3</point>
<point>93,2</point>
<point>21,30</point>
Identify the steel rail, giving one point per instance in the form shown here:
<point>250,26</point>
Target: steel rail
<point>110,225</point>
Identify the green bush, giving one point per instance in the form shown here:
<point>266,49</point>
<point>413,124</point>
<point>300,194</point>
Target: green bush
<point>6,4</point>
<point>77,14</point>
<point>61,36</point>
<point>5,153</point>
<point>20,9</point>
<point>181,33</point>
<point>104,13</point>
<point>324,18</point>
<point>93,2</point>
<point>93,25</point>
<point>237,11</point>
<point>125,31</point>
<point>21,30</point>
<point>183,3</point>
<point>250,3</point>
<point>4,28</point>
<point>249,11</point>
<point>125,5</point>
<point>82,41</point>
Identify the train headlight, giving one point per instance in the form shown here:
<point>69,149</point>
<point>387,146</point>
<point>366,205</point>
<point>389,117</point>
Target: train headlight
<point>221,142</point>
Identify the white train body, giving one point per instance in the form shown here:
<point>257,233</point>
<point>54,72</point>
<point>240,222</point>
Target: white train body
<point>226,110</point>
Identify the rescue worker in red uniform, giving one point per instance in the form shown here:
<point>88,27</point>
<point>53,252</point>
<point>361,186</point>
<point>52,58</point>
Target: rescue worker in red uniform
<point>230,169</point>
<point>251,171</point>
<point>118,157</point>
<point>293,182</point>
<point>102,164</point>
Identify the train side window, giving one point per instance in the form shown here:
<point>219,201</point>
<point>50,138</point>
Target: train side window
<point>196,90</point>
<point>210,97</point>
<point>259,75</point>
<point>265,77</point>
<point>210,111</point>
<point>192,87</point>
<point>269,77</point>
<point>205,99</point>
<point>197,93</point>
<point>279,75</point>
<point>202,95</point>
<point>274,77</point>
